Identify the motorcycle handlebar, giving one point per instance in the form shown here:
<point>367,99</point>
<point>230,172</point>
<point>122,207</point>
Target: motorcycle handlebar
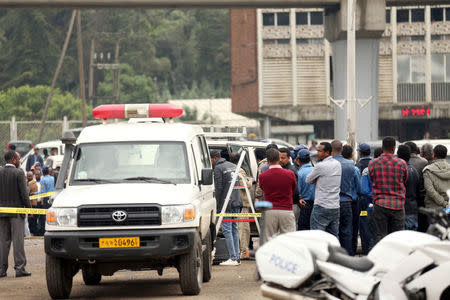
<point>432,212</point>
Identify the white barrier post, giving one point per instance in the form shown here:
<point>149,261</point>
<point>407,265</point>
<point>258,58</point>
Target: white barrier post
<point>230,190</point>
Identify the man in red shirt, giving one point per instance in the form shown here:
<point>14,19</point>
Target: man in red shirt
<point>278,186</point>
<point>388,174</point>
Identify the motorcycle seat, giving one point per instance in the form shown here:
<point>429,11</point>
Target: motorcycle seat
<point>339,256</point>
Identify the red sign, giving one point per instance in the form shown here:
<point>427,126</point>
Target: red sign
<point>416,112</point>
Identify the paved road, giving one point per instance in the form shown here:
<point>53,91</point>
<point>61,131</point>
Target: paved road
<point>227,283</point>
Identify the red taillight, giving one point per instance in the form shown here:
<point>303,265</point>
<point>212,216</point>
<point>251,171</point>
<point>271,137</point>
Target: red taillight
<point>7,147</point>
<point>122,111</point>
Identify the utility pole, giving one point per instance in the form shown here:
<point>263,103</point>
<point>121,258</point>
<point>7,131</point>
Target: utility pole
<point>81,69</point>
<point>103,59</point>
<point>55,76</point>
<point>351,88</point>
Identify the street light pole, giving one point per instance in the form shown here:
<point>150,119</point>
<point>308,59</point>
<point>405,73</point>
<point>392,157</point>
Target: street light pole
<point>351,88</point>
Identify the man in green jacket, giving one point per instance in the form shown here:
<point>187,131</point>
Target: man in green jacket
<point>437,179</point>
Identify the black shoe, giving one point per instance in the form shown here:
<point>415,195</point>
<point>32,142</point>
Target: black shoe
<point>23,274</point>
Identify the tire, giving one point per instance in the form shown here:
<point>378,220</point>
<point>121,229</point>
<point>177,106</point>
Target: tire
<point>59,275</point>
<point>190,268</point>
<point>91,277</point>
<point>207,258</point>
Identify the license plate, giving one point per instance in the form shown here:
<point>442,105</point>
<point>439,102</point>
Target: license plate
<point>123,242</point>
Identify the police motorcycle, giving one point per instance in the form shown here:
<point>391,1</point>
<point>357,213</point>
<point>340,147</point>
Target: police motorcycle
<point>403,265</point>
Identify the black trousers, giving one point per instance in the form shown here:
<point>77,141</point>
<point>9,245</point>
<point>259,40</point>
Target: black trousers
<point>386,221</point>
<point>305,216</point>
<point>356,211</point>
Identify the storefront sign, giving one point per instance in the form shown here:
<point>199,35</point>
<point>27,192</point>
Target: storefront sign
<point>416,112</point>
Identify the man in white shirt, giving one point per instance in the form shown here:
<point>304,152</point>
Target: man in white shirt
<point>327,178</point>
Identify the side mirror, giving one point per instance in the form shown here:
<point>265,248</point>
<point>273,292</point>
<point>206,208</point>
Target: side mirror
<point>207,177</point>
<point>68,138</point>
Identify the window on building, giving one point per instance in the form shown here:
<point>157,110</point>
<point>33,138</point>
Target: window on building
<point>417,68</point>
<point>316,18</point>
<point>283,41</point>
<point>269,42</point>
<point>411,68</point>
<point>316,41</point>
<point>417,38</point>
<point>402,15</point>
<point>437,14</point>
<point>403,69</point>
<point>447,67</point>
<point>301,18</point>
<point>447,14</point>
<point>283,19</point>
<point>435,37</point>
<point>438,68</point>
<point>268,19</point>
<point>388,16</point>
<point>302,41</point>
<point>418,15</point>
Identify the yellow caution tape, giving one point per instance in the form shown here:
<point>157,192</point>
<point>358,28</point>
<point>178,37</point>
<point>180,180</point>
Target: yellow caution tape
<point>258,215</point>
<point>43,195</point>
<point>17,210</point>
<point>363,213</point>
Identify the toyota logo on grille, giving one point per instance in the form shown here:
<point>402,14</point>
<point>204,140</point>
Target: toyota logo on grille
<point>119,215</point>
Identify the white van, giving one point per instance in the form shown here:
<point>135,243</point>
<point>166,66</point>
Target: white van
<point>136,196</point>
<point>45,150</point>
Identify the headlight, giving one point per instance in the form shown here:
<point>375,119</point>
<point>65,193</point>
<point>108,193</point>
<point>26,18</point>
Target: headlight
<point>177,214</point>
<point>62,217</point>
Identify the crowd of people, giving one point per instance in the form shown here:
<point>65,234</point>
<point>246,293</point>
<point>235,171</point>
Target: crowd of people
<point>370,197</point>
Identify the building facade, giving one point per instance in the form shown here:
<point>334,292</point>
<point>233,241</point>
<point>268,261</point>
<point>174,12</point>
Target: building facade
<point>282,70</point>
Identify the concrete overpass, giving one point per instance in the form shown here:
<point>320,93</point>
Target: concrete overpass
<point>193,3</point>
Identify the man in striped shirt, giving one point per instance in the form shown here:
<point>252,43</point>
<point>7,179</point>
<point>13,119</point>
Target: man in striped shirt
<point>388,174</point>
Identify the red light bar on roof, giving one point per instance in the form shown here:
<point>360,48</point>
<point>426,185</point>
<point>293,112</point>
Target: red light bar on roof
<point>125,111</point>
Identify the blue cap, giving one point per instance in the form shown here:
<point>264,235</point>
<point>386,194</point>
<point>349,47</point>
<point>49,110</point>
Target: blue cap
<point>303,153</point>
<point>299,147</point>
<point>44,168</point>
<point>364,148</point>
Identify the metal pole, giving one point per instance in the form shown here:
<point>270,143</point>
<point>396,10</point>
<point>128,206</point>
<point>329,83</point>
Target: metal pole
<point>81,69</point>
<point>351,92</point>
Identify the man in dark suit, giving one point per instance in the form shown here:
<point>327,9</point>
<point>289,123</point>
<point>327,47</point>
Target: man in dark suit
<point>33,159</point>
<point>13,193</point>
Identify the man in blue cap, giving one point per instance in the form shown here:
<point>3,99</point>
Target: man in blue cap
<point>306,190</point>
<point>364,199</point>
<point>47,186</point>
<point>364,156</point>
<point>294,155</point>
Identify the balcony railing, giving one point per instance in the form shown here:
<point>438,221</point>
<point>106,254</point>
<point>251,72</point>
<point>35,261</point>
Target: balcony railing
<point>410,92</point>
<point>440,91</point>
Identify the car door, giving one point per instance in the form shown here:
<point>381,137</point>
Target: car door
<point>207,202</point>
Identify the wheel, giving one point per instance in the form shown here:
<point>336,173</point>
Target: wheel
<point>190,268</point>
<point>91,277</point>
<point>59,277</point>
<point>207,258</point>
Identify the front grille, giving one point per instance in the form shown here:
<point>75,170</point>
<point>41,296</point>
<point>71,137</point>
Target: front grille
<point>137,215</point>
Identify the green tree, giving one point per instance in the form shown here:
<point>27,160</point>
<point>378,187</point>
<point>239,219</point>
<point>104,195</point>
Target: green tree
<point>133,88</point>
<point>27,103</point>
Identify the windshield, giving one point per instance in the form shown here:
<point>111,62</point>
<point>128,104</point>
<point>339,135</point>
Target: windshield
<point>155,162</point>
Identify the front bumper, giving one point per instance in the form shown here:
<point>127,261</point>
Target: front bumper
<point>155,244</point>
